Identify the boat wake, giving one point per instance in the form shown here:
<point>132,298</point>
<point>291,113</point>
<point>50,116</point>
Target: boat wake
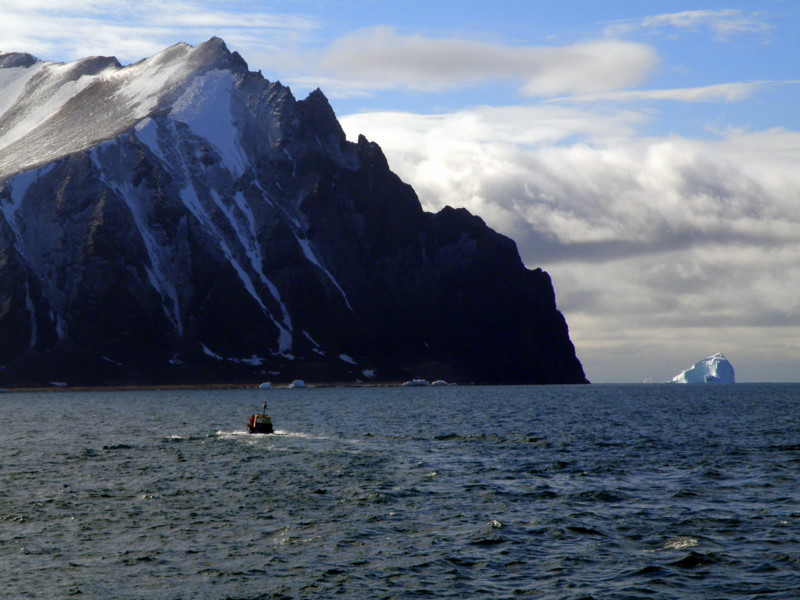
<point>241,433</point>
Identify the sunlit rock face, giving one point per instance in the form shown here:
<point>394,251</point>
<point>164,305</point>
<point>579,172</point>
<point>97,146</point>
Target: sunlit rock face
<point>183,219</point>
<point>714,369</point>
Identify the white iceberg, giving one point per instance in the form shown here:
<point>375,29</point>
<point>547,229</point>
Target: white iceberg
<point>416,383</point>
<point>714,369</point>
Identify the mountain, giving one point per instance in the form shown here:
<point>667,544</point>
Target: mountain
<point>182,220</point>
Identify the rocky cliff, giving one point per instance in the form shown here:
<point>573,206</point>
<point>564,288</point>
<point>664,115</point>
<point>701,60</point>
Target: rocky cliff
<point>183,219</point>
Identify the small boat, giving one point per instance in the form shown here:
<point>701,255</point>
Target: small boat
<point>260,422</point>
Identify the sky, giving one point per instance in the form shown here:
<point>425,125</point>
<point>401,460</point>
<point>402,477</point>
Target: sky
<point>644,153</point>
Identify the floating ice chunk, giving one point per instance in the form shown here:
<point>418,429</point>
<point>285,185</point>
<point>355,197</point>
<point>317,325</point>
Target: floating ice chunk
<point>416,383</point>
<point>714,369</point>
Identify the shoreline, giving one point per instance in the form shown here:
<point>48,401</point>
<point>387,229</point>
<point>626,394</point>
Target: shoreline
<point>189,386</point>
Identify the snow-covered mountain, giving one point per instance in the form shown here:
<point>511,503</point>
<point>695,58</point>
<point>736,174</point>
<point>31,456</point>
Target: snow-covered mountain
<point>184,219</point>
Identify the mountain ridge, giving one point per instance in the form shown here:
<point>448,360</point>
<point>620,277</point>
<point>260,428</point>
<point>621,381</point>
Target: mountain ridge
<point>184,219</point>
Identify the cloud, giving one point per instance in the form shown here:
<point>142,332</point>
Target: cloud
<point>723,23</point>
<point>381,58</point>
<point>131,30</point>
<point>578,179</point>
<point>650,241</point>
<point>723,92</point>
<point>357,63</point>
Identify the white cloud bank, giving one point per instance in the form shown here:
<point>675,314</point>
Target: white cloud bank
<point>662,250</point>
<point>381,58</point>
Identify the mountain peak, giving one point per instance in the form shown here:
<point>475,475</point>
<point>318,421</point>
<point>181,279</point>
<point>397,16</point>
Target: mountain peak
<point>36,103</point>
<point>319,110</point>
<point>10,60</point>
<point>215,41</point>
<point>214,53</point>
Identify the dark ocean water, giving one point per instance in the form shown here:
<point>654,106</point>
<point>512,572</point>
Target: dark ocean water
<point>574,492</point>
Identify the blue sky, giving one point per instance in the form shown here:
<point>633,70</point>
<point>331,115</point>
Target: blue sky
<point>643,153</point>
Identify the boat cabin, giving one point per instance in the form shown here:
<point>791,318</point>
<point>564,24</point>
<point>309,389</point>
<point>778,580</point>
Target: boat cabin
<point>260,422</point>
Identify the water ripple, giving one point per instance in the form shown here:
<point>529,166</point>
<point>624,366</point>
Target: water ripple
<point>603,492</point>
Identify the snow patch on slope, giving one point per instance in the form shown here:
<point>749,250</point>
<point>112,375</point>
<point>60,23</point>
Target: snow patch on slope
<point>66,111</point>
<point>50,95</point>
<point>205,106</point>
<point>242,251</point>
<point>311,256</point>
<point>141,85</point>
<point>147,133</point>
<point>246,234</point>
<point>193,203</point>
<point>19,186</point>
<point>28,241</point>
<point>159,271</point>
<point>317,349</point>
<point>13,81</point>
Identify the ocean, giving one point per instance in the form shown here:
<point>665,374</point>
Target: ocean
<point>556,492</point>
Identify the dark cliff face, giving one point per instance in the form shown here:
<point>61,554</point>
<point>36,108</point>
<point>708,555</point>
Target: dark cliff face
<point>260,245</point>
